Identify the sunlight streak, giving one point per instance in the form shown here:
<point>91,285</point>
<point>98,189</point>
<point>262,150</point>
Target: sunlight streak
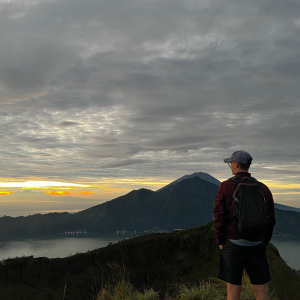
<point>40,184</point>
<point>57,193</point>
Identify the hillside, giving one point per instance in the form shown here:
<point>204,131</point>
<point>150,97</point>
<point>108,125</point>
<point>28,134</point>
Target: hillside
<point>151,261</point>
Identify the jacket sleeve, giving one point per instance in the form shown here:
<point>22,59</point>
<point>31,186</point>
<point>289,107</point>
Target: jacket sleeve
<point>271,216</point>
<point>221,216</point>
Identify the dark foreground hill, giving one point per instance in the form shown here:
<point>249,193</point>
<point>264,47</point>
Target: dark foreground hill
<point>184,204</point>
<point>151,261</point>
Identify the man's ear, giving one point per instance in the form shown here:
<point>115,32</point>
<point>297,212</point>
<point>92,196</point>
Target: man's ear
<point>237,165</point>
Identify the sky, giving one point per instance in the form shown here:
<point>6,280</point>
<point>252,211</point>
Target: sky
<point>98,98</point>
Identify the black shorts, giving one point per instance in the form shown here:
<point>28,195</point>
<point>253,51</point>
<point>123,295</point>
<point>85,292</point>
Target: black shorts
<point>234,258</point>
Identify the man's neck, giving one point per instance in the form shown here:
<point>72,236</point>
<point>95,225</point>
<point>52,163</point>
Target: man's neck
<point>238,170</point>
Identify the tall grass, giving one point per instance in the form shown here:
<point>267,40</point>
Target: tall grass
<point>203,291</point>
<point>125,291</point>
<point>120,288</point>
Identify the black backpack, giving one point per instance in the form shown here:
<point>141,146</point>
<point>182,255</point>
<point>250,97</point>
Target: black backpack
<point>249,208</point>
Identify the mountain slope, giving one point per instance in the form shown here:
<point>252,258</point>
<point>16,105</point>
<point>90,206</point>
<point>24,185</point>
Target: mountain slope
<point>133,211</point>
<point>184,204</point>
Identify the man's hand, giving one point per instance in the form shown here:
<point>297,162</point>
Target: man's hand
<point>221,247</point>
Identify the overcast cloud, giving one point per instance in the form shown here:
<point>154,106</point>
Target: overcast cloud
<point>149,89</point>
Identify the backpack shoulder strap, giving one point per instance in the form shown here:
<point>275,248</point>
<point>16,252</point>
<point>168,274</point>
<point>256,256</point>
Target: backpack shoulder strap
<point>245,180</point>
<point>258,183</point>
<point>253,179</point>
<point>250,181</point>
<point>235,179</point>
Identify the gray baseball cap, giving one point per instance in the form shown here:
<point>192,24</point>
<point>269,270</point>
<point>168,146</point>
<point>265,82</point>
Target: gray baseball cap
<point>241,156</point>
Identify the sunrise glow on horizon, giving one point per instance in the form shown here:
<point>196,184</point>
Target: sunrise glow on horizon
<point>84,193</point>
<point>118,186</point>
<point>39,184</point>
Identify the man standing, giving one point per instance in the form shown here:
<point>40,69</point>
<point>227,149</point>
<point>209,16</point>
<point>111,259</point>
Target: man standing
<point>238,252</point>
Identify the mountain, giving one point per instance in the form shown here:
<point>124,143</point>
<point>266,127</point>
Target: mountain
<point>159,261</point>
<point>183,204</point>
<point>36,225</point>
<point>201,175</point>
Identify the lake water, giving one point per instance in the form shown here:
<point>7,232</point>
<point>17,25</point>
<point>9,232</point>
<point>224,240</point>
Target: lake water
<point>289,248</point>
<point>57,247</point>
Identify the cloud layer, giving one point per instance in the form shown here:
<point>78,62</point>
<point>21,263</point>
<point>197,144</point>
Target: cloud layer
<point>122,89</point>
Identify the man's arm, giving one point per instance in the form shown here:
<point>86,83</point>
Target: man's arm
<point>221,217</point>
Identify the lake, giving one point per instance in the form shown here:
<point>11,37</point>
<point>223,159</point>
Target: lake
<point>289,248</point>
<point>62,246</point>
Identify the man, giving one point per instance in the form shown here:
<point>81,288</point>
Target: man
<point>237,252</point>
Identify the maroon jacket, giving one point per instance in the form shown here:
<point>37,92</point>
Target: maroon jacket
<point>223,211</point>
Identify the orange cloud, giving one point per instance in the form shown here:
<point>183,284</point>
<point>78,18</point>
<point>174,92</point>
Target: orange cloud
<point>57,193</point>
<point>5,193</point>
<point>69,193</point>
<point>84,193</point>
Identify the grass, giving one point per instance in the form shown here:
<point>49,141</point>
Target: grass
<point>120,288</point>
<point>125,291</point>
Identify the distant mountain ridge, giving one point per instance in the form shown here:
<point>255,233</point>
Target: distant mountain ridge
<point>286,207</point>
<point>185,203</point>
